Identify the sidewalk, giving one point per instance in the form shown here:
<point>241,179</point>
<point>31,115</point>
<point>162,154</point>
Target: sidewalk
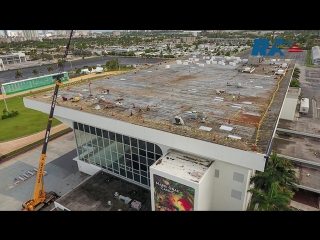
<point>10,146</point>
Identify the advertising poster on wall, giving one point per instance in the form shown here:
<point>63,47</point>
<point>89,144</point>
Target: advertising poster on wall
<point>172,196</point>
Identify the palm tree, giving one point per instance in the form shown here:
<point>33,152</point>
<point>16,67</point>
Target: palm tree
<point>50,68</point>
<point>262,180</point>
<point>278,170</point>
<point>35,71</point>
<point>283,170</point>
<point>18,74</point>
<point>60,64</point>
<point>276,199</point>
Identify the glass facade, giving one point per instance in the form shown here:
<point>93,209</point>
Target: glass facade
<point>116,153</point>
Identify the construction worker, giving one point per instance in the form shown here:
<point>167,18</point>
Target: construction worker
<point>233,97</point>
<point>148,108</point>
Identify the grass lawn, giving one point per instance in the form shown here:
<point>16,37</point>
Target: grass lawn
<point>28,121</point>
<point>308,60</point>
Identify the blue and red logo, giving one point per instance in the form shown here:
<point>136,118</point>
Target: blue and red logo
<point>260,46</point>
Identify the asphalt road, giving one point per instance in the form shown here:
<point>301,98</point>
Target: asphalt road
<point>9,75</point>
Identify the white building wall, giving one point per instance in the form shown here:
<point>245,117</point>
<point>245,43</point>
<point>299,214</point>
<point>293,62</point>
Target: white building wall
<point>86,167</point>
<point>206,190</point>
<point>60,207</point>
<point>225,187</point>
<point>251,160</point>
<point>66,121</point>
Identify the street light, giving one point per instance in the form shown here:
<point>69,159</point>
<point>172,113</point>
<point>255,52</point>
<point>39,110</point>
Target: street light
<point>90,95</point>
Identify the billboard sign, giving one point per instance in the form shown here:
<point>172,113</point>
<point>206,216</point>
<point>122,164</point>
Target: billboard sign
<point>172,196</point>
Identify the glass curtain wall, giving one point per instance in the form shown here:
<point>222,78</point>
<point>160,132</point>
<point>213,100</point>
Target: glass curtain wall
<point>122,155</point>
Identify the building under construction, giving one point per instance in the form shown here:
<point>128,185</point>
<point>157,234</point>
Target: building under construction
<point>192,131</point>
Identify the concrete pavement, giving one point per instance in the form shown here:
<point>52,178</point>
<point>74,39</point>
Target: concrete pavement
<point>63,173</point>
<point>15,144</point>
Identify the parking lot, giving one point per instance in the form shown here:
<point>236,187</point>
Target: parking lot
<point>63,173</point>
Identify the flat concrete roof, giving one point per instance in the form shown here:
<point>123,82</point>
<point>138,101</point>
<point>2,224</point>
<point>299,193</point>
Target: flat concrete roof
<point>297,146</point>
<point>95,192</point>
<point>308,176</point>
<point>182,165</point>
<point>171,89</point>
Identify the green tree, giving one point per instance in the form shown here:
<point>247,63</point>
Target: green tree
<point>50,68</point>
<point>297,70</point>
<point>112,65</point>
<point>295,75</point>
<point>35,71</point>
<point>284,172</point>
<point>278,170</point>
<point>294,83</point>
<point>60,64</point>
<point>274,187</point>
<point>277,198</point>
<point>18,74</point>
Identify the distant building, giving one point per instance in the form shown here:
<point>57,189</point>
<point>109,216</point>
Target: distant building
<point>31,34</point>
<point>6,40</point>
<point>315,55</point>
<point>5,33</point>
<point>1,65</point>
<point>60,33</point>
<point>187,39</point>
<point>116,33</point>
<point>13,58</point>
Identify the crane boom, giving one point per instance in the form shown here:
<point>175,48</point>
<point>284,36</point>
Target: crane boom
<point>40,197</point>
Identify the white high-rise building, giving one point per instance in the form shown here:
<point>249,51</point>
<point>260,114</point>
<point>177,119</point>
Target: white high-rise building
<point>5,32</point>
<point>30,34</point>
<point>60,33</point>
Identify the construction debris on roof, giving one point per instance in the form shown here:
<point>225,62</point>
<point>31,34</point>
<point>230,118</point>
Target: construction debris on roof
<point>170,98</point>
